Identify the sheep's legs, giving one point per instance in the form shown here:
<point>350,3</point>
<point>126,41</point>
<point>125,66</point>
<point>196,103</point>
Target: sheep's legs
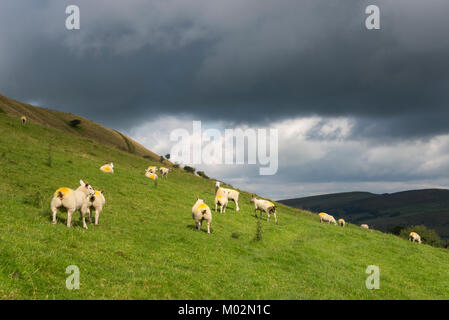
<point>69,217</point>
<point>268,217</point>
<point>215,207</point>
<point>90,215</point>
<point>208,227</point>
<point>54,210</point>
<point>275,217</point>
<point>236,205</point>
<point>97,216</point>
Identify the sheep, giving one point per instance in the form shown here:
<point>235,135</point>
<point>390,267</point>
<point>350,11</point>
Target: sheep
<point>341,222</point>
<point>151,175</point>
<point>364,226</point>
<point>72,200</point>
<point>164,171</point>
<point>229,193</point>
<point>327,218</point>
<point>152,169</point>
<point>222,201</point>
<point>108,168</point>
<point>414,237</point>
<point>264,205</point>
<point>97,202</point>
<point>23,119</point>
<point>200,212</point>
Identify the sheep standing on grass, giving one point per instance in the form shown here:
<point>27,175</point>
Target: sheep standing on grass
<point>72,200</point>
<point>97,202</point>
<point>200,212</point>
<point>151,175</point>
<point>222,201</point>
<point>164,172</point>
<point>23,119</point>
<point>341,222</point>
<point>152,169</point>
<point>108,168</point>
<point>414,237</point>
<point>364,226</point>
<point>229,193</point>
<point>264,206</point>
<point>327,218</point>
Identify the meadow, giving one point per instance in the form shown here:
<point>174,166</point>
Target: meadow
<point>146,246</point>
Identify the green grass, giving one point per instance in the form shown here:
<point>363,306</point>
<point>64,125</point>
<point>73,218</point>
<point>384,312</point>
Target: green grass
<point>146,246</point>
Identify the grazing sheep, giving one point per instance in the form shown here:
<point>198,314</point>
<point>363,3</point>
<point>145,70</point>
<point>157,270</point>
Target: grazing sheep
<point>222,201</point>
<point>264,206</point>
<point>229,193</point>
<point>151,175</point>
<point>72,200</point>
<point>23,119</point>
<point>414,237</point>
<point>341,222</point>
<point>152,169</point>
<point>327,218</point>
<point>164,171</point>
<point>200,212</point>
<point>97,202</point>
<point>108,168</point>
<point>364,226</point>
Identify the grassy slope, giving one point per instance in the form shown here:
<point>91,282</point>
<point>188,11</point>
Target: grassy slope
<point>146,247</point>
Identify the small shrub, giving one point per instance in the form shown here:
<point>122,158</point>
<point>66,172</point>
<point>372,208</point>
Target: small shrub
<point>202,174</point>
<point>75,123</point>
<point>167,156</point>
<point>189,169</point>
<point>235,235</point>
<point>258,235</point>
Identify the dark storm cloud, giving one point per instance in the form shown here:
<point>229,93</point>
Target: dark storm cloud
<point>236,60</point>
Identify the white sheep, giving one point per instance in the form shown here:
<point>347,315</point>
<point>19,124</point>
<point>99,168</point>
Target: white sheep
<point>200,212</point>
<point>96,201</point>
<point>164,171</point>
<point>364,226</point>
<point>151,175</point>
<point>72,200</point>
<point>327,218</point>
<point>107,168</point>
<point>229,193</point>
<point>414,237</point>
<point>341,222</point>
<point>264,206</point>
<point>152,169</point>
<point>222,201</point>
<point>23,119</point>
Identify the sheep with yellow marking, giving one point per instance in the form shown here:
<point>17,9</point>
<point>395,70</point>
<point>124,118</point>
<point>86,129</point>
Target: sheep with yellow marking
<point>364,226</point>
<point>72,200</point>
<point>164,172</point>
<point>23,119</point>
<point>264,206</point>
<point>222,201</point>
<point>152,169</point>
<point>107,168</point>
<point>151,175</point>
<point>200,212</point>
<point>341,222</point>
<point>96,201</point>
<point>327,218</point>
<point>414,237</point>
<point>232,195</point>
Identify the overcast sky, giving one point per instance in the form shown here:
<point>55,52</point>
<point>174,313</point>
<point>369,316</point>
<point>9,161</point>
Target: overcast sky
<point>356,109</point>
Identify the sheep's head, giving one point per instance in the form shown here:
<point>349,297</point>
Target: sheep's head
<point>253,198</point>
<point>217,184</point>
<point>111,165</point>
<point>87,188</point>
<point>199,201</point>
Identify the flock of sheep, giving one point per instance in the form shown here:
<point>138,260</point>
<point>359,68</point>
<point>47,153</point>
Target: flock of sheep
<point>84,198</point>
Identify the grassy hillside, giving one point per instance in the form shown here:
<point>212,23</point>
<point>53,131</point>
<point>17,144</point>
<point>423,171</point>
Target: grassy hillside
<point>146,246</point>
<point>87,129</point>
<point>429,207</point>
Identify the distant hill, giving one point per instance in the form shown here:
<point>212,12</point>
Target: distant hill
<point>86,129</point>
<point>429,207</point>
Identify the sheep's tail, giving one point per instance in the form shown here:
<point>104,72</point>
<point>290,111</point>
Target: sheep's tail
<point>203,212</point>
<point>60,195</point>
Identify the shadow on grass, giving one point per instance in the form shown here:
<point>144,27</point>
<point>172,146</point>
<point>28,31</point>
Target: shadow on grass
<point>203,229</point>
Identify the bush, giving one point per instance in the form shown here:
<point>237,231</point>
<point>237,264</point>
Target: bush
<point>176,165</point>
<point>161,159</point>
<point>75,123</point>
<point>428,236</point>
<point>202,174</point>
<point>189,169</point>
<point>396,230</point>
<point>167,156</point>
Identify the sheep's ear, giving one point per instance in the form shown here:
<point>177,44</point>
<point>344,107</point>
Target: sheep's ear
<point>102,191</point>
<point>81,182</point>
<point>197,198</point>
